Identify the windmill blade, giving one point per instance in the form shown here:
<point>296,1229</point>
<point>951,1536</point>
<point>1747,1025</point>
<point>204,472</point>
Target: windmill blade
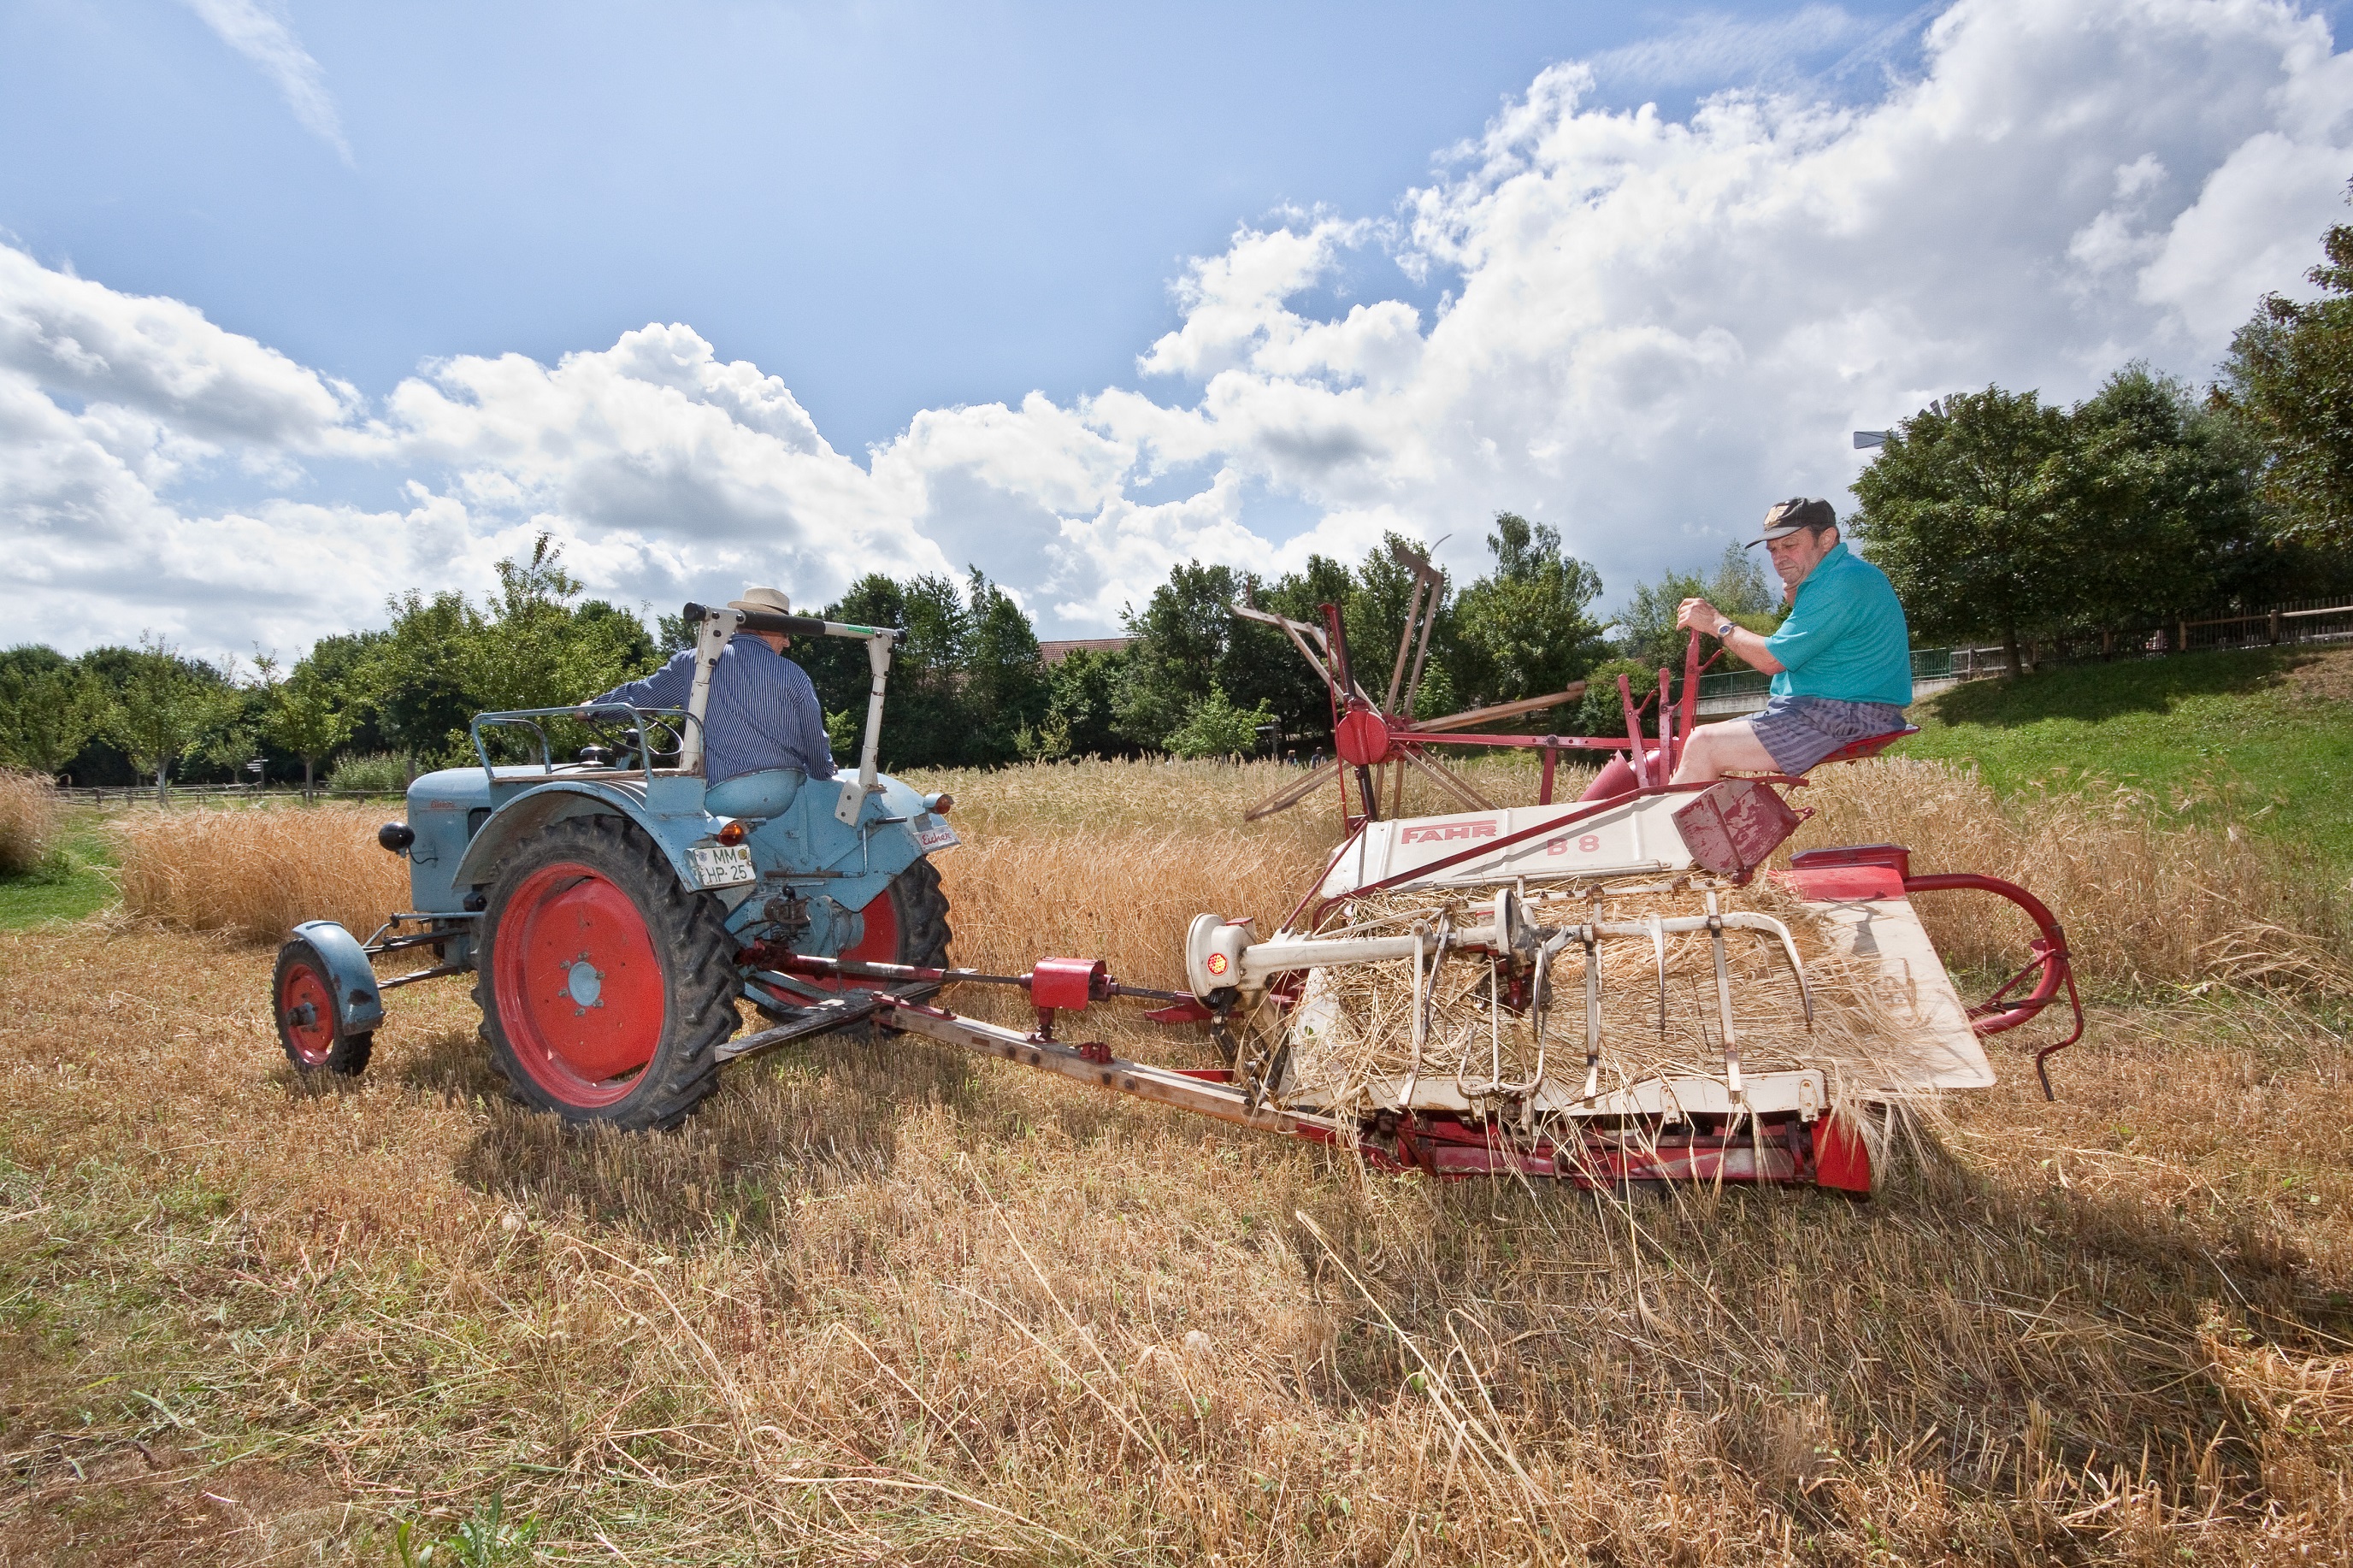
<point>1575,690</point>
<point>1291,794</point>
<point>1461,790</point>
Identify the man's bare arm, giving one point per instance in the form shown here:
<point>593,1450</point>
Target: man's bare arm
<point>1744,645</point>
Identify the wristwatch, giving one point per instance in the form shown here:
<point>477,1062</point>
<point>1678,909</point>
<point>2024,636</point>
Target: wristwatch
<point>1723,630</point>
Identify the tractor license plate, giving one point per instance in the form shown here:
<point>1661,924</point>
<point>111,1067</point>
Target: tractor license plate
<point>724,865</point>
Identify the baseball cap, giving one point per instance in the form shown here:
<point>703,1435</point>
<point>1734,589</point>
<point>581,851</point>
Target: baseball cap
<point>1799,512</point>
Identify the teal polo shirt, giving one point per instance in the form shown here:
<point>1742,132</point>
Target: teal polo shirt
<point>1845,636</point>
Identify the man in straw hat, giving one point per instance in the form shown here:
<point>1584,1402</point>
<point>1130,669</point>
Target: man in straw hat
<point>762,714</point>
<point>1840,663</point>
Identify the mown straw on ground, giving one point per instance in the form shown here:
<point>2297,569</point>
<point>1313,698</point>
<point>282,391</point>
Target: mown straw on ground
<point>884,1303</point>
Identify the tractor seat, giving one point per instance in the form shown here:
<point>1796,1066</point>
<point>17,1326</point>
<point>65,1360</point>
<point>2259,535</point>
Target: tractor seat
<point>1869,746</point>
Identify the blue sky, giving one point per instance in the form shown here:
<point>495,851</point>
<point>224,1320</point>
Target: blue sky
<point>893,205</point>
<point>912,217</point>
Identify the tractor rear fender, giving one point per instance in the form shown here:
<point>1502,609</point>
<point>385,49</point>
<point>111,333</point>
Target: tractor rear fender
<point>359,1006</point>
<point>535,808</point>
<point>807,849</point>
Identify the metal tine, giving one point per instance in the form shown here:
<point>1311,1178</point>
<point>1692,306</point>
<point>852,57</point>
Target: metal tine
<point>1755,921</point>
<point>1539,1009</point>
<point>1592,1011</point>
<point>1508,927</point>
<point>1659,948</point>
<point>1724,998</point>
<point>1425,994</point>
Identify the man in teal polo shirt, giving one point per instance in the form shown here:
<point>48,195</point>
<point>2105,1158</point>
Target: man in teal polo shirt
<point>1841,662</point>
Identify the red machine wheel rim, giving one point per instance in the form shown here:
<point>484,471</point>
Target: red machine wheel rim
<point>313,1041</point>
<point>578,985</point>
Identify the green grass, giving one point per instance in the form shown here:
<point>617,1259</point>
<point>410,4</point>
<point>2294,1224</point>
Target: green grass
<point>2263,738</point>
<point>75,885</point>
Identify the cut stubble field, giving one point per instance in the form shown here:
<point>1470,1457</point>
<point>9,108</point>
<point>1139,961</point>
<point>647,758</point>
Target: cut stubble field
<point>883,1303</point>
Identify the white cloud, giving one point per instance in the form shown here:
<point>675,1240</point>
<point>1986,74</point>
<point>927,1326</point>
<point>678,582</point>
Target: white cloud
<point>262,35</point>
<point>1651,329</point>
<point>1710,48</point>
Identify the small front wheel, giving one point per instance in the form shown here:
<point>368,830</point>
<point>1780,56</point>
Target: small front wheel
<point>310,1023</point>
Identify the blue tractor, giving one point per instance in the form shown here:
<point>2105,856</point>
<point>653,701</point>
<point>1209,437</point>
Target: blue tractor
<point>614,909</point>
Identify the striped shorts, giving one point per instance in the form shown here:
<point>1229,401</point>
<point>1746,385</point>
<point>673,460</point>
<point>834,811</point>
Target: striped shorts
<point>1799,731</point>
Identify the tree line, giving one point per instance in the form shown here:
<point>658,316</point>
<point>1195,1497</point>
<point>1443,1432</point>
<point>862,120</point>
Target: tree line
<point>1996,515</point>
<point>1999,516</point>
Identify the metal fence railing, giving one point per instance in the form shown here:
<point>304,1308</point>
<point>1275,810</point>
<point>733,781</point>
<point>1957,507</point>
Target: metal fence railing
<point>2280,625</point>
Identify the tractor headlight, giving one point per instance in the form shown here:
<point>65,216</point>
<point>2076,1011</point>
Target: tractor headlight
<point>397,836</point>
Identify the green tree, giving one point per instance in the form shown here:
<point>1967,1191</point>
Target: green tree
<point>1603,711</point>
<point>1966,509</point>
<point>171,708</point>
<point>1215,728</point>
<point>416,679</point>
<point>1647,632</point>
<point>967,684</point>
<point>443,660</point>
<point>2156,501</point>
<point>1524,629</point>
<point>301,718</point>
<point>1179,637</point>
<point>535,648</point>
<point>1083,707</point>
<point>1260,666</point>
<point>1004,684</point>
<point>2290,374</point>
<point>49,709</point>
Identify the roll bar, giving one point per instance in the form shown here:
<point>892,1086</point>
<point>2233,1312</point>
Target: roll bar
<point>715,624</point>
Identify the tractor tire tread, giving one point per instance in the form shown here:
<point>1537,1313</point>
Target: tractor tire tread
<point>922,915</point>
<point>696,951</point>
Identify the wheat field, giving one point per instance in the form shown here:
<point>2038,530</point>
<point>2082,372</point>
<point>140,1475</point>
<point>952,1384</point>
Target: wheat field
<point>30,820</point>
<point>881,1303</point>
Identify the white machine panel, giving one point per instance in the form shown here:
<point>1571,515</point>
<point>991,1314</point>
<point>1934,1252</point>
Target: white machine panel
<point>1635,837</point>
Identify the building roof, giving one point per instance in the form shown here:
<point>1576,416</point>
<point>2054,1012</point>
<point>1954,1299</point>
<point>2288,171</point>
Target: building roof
<point>1056,652</point>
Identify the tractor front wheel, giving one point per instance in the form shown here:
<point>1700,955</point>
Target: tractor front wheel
<point>605,986</point>
<point>310,1023</point>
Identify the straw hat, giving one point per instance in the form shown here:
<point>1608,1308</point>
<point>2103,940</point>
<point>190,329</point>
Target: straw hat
<point>770,599</point>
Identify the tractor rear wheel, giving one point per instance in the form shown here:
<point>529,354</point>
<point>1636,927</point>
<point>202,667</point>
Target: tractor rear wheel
<point>906,922</point>
<point>309,1024</point>
<point>605,986</point>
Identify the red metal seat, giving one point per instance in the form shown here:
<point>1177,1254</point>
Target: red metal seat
<point>1869,746</point>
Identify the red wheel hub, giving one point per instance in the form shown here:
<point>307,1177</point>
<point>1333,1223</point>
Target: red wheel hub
<point>306,1012</point>
<point>578,986</point>
<point>880,944</point>
<point>1363,739</point>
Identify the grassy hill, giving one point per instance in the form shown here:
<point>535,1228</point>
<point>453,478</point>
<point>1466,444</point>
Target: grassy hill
<point>2262,737</point>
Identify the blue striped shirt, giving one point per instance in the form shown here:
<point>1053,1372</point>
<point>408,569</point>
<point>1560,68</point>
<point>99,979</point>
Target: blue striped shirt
<point>762,714</point>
